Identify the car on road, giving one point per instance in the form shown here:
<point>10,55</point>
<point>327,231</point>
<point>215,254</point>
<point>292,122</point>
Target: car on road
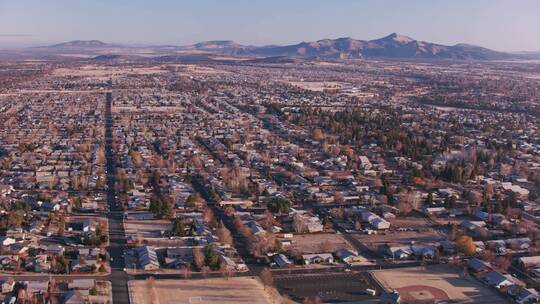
<point>370,291</point>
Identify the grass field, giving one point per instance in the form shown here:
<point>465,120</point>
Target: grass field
<point>207,291</point>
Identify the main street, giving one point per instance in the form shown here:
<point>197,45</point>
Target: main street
<point>117,239</point>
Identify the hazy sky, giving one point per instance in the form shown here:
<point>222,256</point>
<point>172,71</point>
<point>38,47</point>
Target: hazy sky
<point>507,25</point>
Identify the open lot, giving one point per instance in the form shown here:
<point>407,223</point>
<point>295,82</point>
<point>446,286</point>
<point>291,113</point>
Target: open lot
<point>318,86</point>
<point>161,109</point>
<point>232,290</point>
<point>319,242</point>
<point>410,222</point>
<point>435,283</point>
<point>190,69</point>
<point>145,229</point>
<point>101,72</point>
<point>330,287</point>
<point>373,241</point>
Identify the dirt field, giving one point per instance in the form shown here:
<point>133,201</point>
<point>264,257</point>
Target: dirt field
<point>190,69</point>
<point>232,290</point>
<point>400,237</point>
<point>436,283</point>
<point>413,222</point>
<point>317,85</point>
<point>166,109</point>
<point>102,72</point>
<point>319,242</point>
<point>146,228</point>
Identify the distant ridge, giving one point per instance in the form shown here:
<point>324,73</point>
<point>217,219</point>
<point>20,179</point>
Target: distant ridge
<point>220,46</point>
<point>107,57</point>
<point>81,44</point>
<point>277,60</point>
<point>217,44</point>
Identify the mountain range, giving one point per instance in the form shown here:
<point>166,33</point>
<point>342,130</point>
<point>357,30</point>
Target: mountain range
<point>392,46</point>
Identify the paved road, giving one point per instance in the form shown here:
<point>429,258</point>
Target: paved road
<point>117,239</point>
<point>239,240</point>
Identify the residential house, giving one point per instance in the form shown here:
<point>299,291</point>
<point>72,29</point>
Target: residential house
<point>349,256</point>
<point>527,262</point>
<point>255,228</point>
<point>523,295</point>
<point>7,285</point>
<point>498,280</point>
<point>282,261</point>
<point>319,258</point>
<point>519,243</point>
<point>41,264</point>
<point>397,252</point>
<point>478,266</point>
<point>82,265</point>
<point>74,297</point>
<point>6,241</point>
<point>374,220</point>
<point>147,258</point>
<point>303,223</point>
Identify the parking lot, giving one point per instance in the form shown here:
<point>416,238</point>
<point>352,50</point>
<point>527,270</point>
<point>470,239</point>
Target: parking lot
<point>329,287</point>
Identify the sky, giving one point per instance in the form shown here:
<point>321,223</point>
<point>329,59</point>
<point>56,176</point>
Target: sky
<point>505,25</point>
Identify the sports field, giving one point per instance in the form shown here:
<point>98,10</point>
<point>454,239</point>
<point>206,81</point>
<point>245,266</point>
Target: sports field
<point>207,291</point>
<point>435,283</point>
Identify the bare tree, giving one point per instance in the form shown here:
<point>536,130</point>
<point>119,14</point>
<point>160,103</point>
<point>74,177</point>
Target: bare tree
<point>208,217</point>
<point>225,270</point>
<point>198,257</point>
<point>224,235</point>
<point>151,284</point>
<point>75,182</point>
<point>268,220</point>
<point>503,263</point>
<point>205,271</point>
<point>338,197</point>
<point>266,277</point>
<point>317,134</point>
<point>229,211</point>
<point>405,208</point>
<point>185,272</point>
<point>312,300</point>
